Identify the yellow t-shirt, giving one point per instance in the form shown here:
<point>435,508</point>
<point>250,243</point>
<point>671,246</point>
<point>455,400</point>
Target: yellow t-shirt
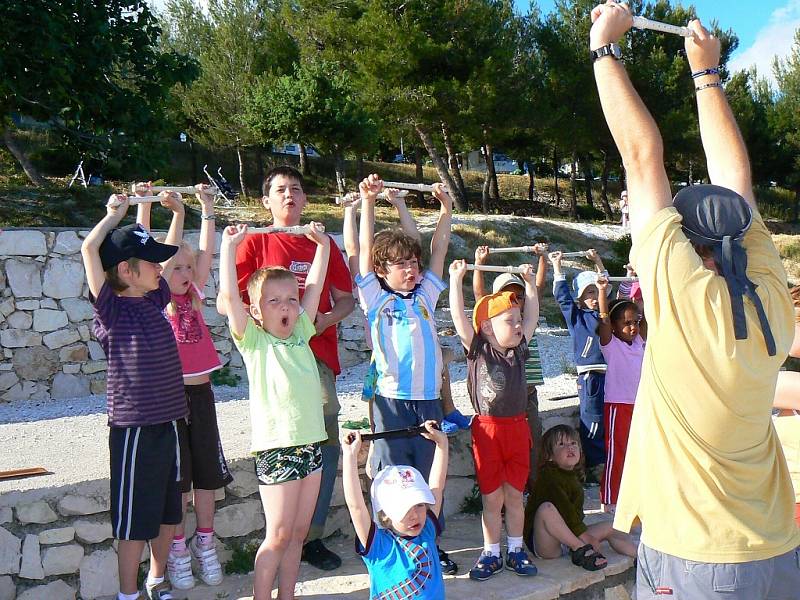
<point>788,429</point>
<point>285,392</point>
<point>704,471</point>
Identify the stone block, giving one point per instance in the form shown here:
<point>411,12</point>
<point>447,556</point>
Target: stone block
<point>94,366</point>
<point>23,243</point>
<point>27,304</point>
<point>66,385</point>
<point>67,242</point>
<point>48,303</point>
<point>96,351</point>
<point>6,515</point>
<point>36,364</point>
<point>83,331</point>
<point>36,512</point>
<point>62,560</point>
<point>236,520</point>
<point>10,554</point>
<point>45,319</point>
<point>219,494</point>
<point>8,380</point>
<point>98,386</point>
<point>7,306</point>
<point>245,483</point>
<point>60,338</point>
<point>74,353</point>
<point>8,591</point>
<point>99,575</point>
<point>617,592</point>
<point>63,278</point>
<point>212,317</point>
<point>92,532</point>
<point>62,535</point>
<point>236,360</point>
<point>21,391</point>
<point>19,320</point>
<point>455,490</point>
<point>460,462</point>
<point>19,338</point>
<point>31,567</point>
<point>72,504</point>
<point>71,369</point>
<point>4,366</point>
<point>223,346</point>
<point>77,309</point>
<point>55,590</point>
<point>24,278</point>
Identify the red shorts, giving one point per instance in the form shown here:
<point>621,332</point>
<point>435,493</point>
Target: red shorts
<point>617,421</point>
<point>797,514</point>
<point>501,448</point>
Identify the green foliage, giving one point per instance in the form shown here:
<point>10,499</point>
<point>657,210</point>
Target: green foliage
<point>225,376</point>
<point>590,213</point>
<point>243,557</point>
<point>472,504</point>
<point>622,246</point>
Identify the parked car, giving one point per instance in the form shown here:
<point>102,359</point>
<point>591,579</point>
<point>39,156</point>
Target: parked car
<point>502,163</point>
<point>294,149</point>
<point>401,158</point>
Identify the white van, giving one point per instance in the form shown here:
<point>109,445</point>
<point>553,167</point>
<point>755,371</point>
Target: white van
<point>294,149</point>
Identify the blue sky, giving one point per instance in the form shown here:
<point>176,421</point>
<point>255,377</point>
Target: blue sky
<point>765,27</point>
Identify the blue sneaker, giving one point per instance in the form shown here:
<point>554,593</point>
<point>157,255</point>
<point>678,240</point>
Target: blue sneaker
<point>488,564</point>
<point>520,563</point>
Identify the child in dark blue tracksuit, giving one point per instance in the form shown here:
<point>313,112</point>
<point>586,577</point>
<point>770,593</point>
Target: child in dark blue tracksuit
<point>582,320</point>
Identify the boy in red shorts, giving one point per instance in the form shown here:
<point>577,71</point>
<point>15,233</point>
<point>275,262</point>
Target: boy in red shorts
<point>497,347</point>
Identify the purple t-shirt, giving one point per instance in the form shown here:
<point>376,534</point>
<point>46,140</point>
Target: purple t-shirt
<point>624,369</point>
<point>144,377</point>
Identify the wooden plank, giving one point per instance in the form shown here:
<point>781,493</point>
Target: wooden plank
<point>28,472</point>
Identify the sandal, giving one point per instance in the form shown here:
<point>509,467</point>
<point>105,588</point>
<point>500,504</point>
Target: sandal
<point>586,557</point>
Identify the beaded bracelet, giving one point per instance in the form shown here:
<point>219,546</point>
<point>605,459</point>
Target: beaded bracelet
<point>716,84</point>
<point>210,217</point>
<point>711,71</point>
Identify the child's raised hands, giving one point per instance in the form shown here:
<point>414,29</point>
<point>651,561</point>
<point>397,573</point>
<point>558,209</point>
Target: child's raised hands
<point>233,235</point>
<point>434,433</point>
<point>540,249</point>
<point>172,201</point>
<point>351,443</point>
<point>555,257</point>
<point>602,284</point>
<point>205,196</point>
<point>528,274</point>
<point>481,254</point>
<point>458,268</point>
<point>393,196</point>
<point>316,233</point>
<point>371,186</point>
<point>117,205</point>
<point>142,188</point>
<point>629,270</point>
<point>443,196</point>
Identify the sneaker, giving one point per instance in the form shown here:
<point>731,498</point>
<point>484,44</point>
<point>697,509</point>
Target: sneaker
<point>488,564</point>
<point>208,567</point>
<point>519,562</point>
<point>448,566</point>
<point>179,570</point>
<point>160,591</point>
<point>317,555</point>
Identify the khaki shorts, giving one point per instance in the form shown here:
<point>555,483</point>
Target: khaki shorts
<point>660,576</point>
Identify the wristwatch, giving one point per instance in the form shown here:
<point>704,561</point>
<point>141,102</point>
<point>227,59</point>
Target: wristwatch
<point>611,49</point>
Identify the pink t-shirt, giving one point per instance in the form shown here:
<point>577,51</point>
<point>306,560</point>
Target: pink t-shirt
<point>624,369</point>
<point>195,346</point>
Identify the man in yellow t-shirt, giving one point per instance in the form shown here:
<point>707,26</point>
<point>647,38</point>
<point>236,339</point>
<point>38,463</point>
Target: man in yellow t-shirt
<point>704,472</point>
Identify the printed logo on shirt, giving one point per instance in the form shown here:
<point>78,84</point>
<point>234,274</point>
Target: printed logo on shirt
<point>424,312</point>
<point>300,268</point>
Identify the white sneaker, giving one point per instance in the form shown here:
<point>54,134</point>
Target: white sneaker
<point>208,567</point>
<point>179,570</point>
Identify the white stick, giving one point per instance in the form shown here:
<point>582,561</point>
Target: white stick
<point>188,189</point>
<point>295,230</point>
<point>144,199</point>
<point>644,23</point>
<point>416,187</point>
<point>527,249</point>
<point>495,269</point>
<point>622,279</point>
<point>580,254</point>
<point>348,199</point>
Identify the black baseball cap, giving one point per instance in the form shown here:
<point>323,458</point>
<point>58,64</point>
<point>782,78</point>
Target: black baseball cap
<point>133,241</point>
<point>718,217</point>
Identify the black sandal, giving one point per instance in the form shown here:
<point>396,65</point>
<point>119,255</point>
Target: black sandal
<point>586,557</point>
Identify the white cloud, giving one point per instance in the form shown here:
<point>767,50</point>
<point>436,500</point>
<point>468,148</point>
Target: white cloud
<point>775,39</point>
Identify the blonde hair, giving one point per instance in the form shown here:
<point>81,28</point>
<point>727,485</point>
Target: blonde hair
<point>197,304</point>
<point>261,276</point>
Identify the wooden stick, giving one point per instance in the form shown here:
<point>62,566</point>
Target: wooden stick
<point>16,473</point>
<point>623,279</point>
<point>400,185</point>
<point>579,254</point>
<point>527,249</point>
<point>189,189</point>
<point>348,200</point>
<point>495,269</point>
<point>144,199</point>
<point>295,230</point>
<point>644,23</point>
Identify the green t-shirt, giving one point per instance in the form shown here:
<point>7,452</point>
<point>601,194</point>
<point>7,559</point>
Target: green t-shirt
<point>565,490</point>
<point>285,392</point>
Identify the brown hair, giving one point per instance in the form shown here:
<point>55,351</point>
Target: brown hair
<point>112,275</point>
<point>551,437</point>
<point>257,280</point>
<point>391,245</point>
<point>286,171</point>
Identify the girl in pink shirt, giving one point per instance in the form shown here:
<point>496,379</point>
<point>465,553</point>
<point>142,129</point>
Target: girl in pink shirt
<point>203,465</point>
<point>623,332</point>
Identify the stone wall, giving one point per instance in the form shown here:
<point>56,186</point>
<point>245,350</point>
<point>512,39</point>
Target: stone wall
<point>45,319</point>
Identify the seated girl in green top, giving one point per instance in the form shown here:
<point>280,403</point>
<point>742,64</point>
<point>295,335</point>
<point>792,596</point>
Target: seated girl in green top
<point>554,514</point>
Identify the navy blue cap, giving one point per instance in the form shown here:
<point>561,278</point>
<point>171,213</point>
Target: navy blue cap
<point>717,217</point>
<point>133,241</point>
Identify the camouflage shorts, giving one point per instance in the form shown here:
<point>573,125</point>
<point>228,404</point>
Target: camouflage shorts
<point>280,465</point>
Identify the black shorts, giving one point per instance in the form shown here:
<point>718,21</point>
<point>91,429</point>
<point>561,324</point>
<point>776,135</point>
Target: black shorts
<point>144,480</point>
<point>203,465</point>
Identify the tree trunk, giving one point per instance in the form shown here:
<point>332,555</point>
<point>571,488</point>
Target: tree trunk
<point>304,168</point>
<point>556,171</point>
<point>438,163</point>
<point>485,193</point>
<point>573,198</point>
<point>31,171</point>
<point>418,175</point>
<point>452,162</point>
<point>241,169</point>
<point>339,166</point>
<point>587,179</point>
<point>493,189</point>
<point>531,182</point>
<point>604,187</point>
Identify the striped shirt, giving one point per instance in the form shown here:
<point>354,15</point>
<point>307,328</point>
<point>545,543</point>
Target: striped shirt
<point>533,366</point>
<point>404,339</point>
<point>144,380</point>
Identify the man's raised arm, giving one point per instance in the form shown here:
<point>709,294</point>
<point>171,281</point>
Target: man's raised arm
<point>726,155</point>
<point>633,128</point>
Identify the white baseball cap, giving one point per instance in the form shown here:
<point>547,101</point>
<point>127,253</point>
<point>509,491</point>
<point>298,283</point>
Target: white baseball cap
<point>504,280</point>
<point>396,489</point>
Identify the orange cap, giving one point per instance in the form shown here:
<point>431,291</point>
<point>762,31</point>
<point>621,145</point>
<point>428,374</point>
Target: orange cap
<point>491,306</point>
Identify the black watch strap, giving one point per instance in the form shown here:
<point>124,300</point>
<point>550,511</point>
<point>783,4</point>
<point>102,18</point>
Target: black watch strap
<point>610,49</point>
